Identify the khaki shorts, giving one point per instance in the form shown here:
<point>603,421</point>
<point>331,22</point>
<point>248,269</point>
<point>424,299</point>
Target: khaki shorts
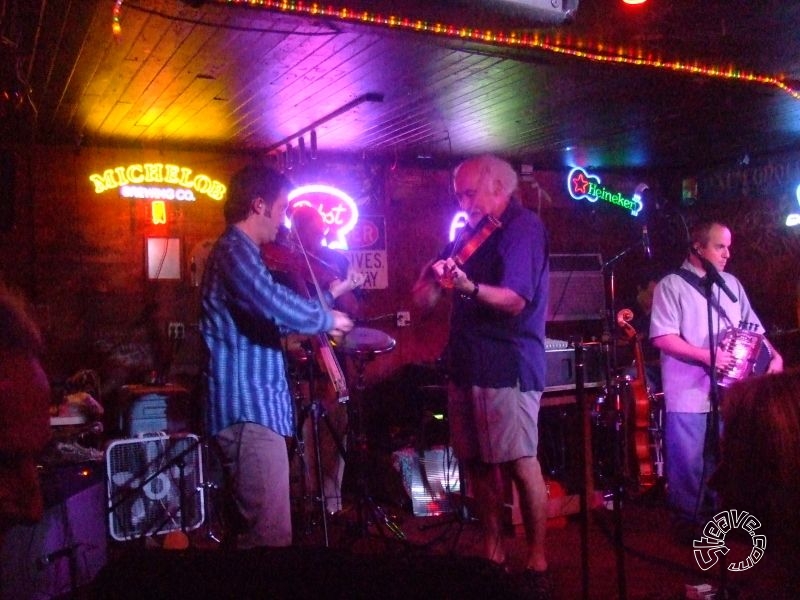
<point>493,425</point>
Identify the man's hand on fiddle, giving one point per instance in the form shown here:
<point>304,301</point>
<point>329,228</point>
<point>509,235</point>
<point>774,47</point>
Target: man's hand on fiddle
<point>449,275</point>
<point>342,324</point>
<point>353,280</point>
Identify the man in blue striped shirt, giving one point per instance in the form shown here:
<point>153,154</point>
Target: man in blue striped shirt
<point>245,313</point>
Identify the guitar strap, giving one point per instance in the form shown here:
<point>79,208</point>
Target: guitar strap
<point>694,280</point>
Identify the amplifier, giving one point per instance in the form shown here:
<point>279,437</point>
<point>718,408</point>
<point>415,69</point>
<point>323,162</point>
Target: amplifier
<point>561,366</point>
<point>577,291</point>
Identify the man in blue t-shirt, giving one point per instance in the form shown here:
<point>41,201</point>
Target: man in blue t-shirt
<point>498,272</point>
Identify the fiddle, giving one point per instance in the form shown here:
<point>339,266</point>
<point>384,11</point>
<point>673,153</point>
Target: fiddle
<point>303,271</point>
<point>289,259</point>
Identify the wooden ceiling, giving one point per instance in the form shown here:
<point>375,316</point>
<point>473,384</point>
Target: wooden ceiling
<point>210,75</point>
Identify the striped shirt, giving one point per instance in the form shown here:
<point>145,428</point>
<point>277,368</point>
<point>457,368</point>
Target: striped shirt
<point>244,314</point>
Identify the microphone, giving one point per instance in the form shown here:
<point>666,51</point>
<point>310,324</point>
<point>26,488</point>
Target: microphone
<point>648,250</point>
<point>714,276</point>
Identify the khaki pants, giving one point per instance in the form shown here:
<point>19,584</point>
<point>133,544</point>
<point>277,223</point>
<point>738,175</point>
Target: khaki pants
<point>256,464</point>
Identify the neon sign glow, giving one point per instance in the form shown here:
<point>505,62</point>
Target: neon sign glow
<point>793,219</point>
<point>583,185</point>
<point>337,209</point>
<point>458,221</point>
<point>158,212</point>
<point>146,192</point>
<point>131,180</point>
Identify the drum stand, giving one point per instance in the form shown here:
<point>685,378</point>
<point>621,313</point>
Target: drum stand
<point>318,414</point>
<point>368,509</point>
<point>618,482</point>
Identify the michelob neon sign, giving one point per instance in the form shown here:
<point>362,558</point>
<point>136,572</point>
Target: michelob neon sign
<point>178,183</point>
<point>583,185</point>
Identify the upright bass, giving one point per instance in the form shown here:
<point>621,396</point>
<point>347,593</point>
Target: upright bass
<point>638,428</point>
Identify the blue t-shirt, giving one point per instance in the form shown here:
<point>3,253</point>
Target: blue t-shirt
<point>487,347</point>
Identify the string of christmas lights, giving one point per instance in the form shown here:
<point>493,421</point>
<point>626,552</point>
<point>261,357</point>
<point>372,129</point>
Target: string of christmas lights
<point>116,26</point>
<point>535,41</point>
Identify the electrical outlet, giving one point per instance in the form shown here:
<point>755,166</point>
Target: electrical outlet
<point>176,330</point>
<point>403,318</point>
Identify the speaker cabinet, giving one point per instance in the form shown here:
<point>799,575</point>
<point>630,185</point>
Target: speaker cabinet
<point>577,291</point>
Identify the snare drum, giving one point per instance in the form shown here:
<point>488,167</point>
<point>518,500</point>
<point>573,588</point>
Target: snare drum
<point>363,340</point>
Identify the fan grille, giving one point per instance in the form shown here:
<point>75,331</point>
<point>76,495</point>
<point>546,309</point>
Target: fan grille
<point>154,485</point>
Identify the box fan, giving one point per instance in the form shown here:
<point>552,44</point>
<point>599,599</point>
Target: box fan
<point>154,485</point>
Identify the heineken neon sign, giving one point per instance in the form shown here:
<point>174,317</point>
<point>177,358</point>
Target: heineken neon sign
<point>586,186</point>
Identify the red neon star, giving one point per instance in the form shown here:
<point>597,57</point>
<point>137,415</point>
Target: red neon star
<point>580,183</point>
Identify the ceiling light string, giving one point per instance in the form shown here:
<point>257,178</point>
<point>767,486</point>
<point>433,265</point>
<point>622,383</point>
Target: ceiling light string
<point>116,26</point>
<point>513,39</point>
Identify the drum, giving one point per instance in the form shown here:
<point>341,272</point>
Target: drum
<point>363,340</point>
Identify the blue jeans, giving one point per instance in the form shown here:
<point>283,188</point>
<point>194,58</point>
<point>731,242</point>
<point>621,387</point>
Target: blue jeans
<point>690,462</point>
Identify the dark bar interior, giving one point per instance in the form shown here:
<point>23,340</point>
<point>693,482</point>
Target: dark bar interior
<point>122,125</point>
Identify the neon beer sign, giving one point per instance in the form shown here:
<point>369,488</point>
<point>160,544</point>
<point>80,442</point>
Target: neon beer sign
<point>158,212</point>
<point>337,209</point>
<point>157,181</point>
<point>459,220</point>
<point>583,185</point>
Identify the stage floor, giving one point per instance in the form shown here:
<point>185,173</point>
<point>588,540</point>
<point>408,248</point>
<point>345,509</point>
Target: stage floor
<point>437,557</point>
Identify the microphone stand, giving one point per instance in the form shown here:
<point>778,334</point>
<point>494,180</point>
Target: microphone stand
<point>712,437</point>
<point>608,268</point>
<point>585,465</point>
<point>619,424</point>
